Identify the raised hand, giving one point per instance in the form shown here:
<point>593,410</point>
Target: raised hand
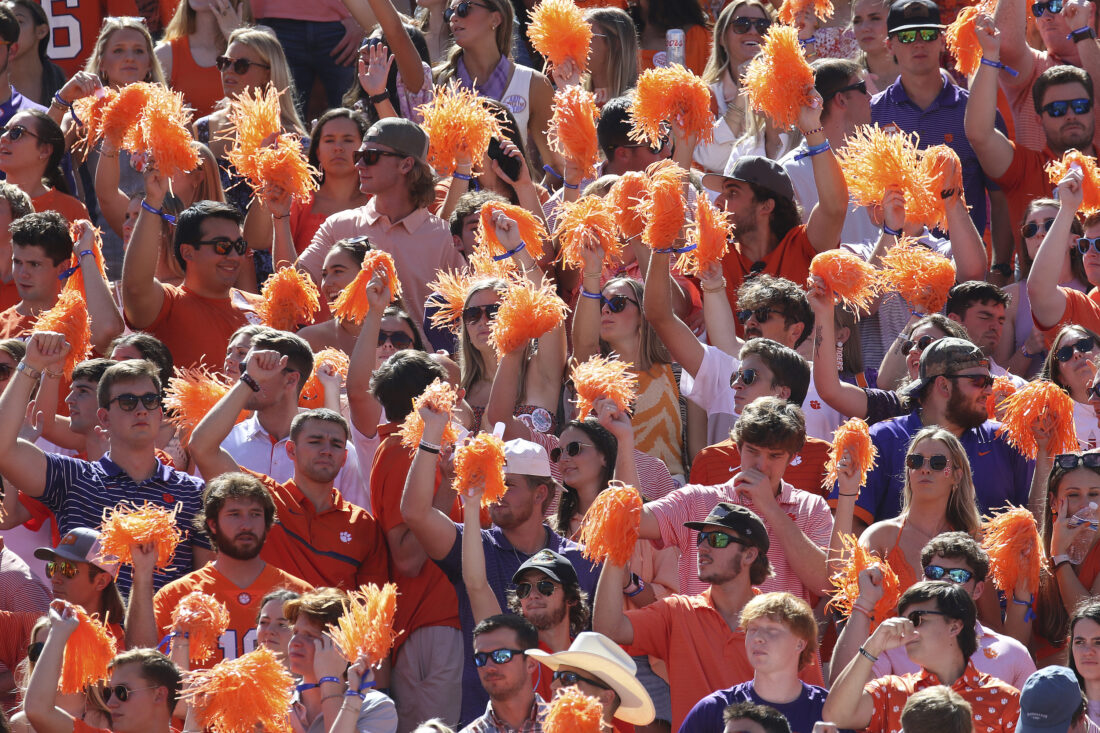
<point>264,365</point>
<point>45,349</point>
<point>375,61</point>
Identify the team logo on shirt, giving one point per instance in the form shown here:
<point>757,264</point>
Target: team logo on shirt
<point>815,404</point>
<point>244,598</point>
<point>345,536</point>
<point>515,103</point>
<point>168,498</point>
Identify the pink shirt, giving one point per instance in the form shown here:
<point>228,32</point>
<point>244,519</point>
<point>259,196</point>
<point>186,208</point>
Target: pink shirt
<point>692,504</point>
<point>318,11</point>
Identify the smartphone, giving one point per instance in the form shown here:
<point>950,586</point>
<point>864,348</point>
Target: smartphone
<point>508,164</point>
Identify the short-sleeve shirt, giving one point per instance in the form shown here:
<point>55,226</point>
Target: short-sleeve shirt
<point>20,590</point>
<point>858,227</point>
<point>78,491</point>
<point>1081,310</point>
<point>68,206</point>
<point>716,464</point>
<point>14,325</point>
<point>1025,178</point>
<point>802,713</point>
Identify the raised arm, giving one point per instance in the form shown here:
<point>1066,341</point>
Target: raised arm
<point>404,52</point>
<point>826,219</point>
<point>607,609</point>
<point>112,201</point>
<point>847,399</point>
<point>848,704</point>
<point>587,312</point>
<point>141,621</point>
<point>618,424</point>
<point>717,313</point>
<point>657,302</point>
<point>967,248</point>
<point>1010,18</point>
<point>23,464</point>
<point>858,626</point>
<point>483,602</point>
<point>40,702</point>
<point>104,319</point>
<point>993,149</point>
<point>434,529</point>
<point>502,396</point>
<point>366,411</point>
<point>1048,299</point>
<point>142,295</point>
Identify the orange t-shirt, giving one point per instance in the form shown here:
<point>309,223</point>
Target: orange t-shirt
<point>243,605</point>
<point>74,28</point>
<point>68,206</point>
<point>79,726</point>
<point>717,463</point>
<point>15,326</point>
<point>428,599</point>
<point>697,40</point>
<point>201,86</point>
<point>1081,310</point>
<point>9,295</point>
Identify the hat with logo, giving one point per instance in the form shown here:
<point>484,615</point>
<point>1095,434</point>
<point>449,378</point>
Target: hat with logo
<point>945,357</point>
<point>551,564</point>
<point>754,169</point>
<point>907,15</point>
<point>80,545</point>
<point>1048,701</point>
<point>400,135</point>
<point>740,519</point>
<point>526,458</point>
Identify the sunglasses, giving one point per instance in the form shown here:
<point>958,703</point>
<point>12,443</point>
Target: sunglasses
<point>399,339</point>
<point>915,462</point>
<point>955,575</point>
<point>224,245</point>
<point>1084,244</point>
<point>1059,108</point>
<point>122,692</point>
<point>925,34</point>
<point>53,567</point>
<point>128,401</point>
<point>499,656</point>
<point>860,86</point>
<point>1070,461</point>
<point>741,26</point>
<point>14,132</point>
<point>568,679</point>
<point>1033,227</point>
<point>472,314</point>
<point>760,314</point>
<point>718,540</point>
<point>662,141</point>
<point>544,587</point>
<point>239,66</point>
<point>1093,392</point>
<point>747,377</point>
<point>981,381</point>
<point>461,10</point>
<point>1054,6</point>
<point>372,156</point>
<point>917,617</point>
<point>572,449</point>
<point>921,344</point>
<point>6,371</point>
<point>34,651</point>
<point>1083,346</point>
<point>617,303</point>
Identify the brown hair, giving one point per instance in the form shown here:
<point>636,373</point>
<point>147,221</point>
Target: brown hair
<point>232,485</point>
<point>961,512</point>
<point>937,709</point>
<point>789,610</point>
<point>130,370</point>
<point>771,422</point>
<point>323,606</point>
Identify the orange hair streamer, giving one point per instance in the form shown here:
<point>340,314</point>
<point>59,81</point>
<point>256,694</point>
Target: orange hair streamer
<point>352,304</point>
<point>313,391</point>
<point>709,238</point>
<point>254,118</point>
<point>1090,183</point>
<point>854,282</point>
<point>526,312</point>
<point>76,280</point>
<point>962,40</point>
<point>166,132</point>
<point>572,130</point>
<point>941,166</point>
<point>88,653</point>
<point>531,229</point>
<point>624,199</point>
<point>480,460</point>
<point>1036,402</point>
<point>572,711</point>
<point>671,94</point>
<point>922,277</point>
<point>663,207</point>
<point>457,120</point>
<point>289,300</point>
<point>69,317</point>
<point>1003,387</point>
<point>822,9</point>
<point>852,437</point>
<point>598,378</point>
<point>366,628</point>
<point>610,527</point>
<point>875,161</point>
<point>235,695</point>
<point>191,393</point>
<point>779,80</point>
<point>1011,538</point>
<point>203,618</point>
<point>587,223</point>
<point>846,582</point>
<point>441,396</point>
<point>558,31</point>
<point>124,526</point>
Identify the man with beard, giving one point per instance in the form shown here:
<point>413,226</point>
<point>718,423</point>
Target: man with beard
<point>499,643</point>
<point>318,536</point>
<point>951,388</point>
<point>237,515</point>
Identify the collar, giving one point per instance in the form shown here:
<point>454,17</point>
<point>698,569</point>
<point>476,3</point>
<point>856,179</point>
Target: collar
<point>970,680</point>
<point>161,472</point>
<point>336,500</point>
<point>532,714</point>
<point>412,222</point>
<point>253,429</point>
<point>948,96</point>
<point>550,543</point>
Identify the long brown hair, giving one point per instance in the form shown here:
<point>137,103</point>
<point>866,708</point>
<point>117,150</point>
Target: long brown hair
<point>445,71</point>
<point>470,364</point>
<point>183,23</point>
<point>651,350</point>
<point>961,512</point>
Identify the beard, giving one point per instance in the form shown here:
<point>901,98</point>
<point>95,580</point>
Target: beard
<point>228,545</point>
<point>716,574</point>
<point>547,618</point>
<point>962,412</point>
<point>509,517</point>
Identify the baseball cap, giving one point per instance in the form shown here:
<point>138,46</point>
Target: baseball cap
<point>526,458</point>
<point>946,356</point>
<point>401,135</point>
<point>763,172</point>
<point>740,519</point>
<point>80,545</point>
<point>551,564</point>
<point>907,15</point>
<point>1048,700</point>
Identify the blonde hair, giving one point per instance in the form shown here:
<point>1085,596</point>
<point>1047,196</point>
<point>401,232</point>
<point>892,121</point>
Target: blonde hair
<point>183,23</point>
<point>323,606</point>
<point>651,350</point>
<point>110,26</point>
<point>719,59</point>
<point>471,367</point>
<point>961,512</point>
<point>622,41</point>
<point>262,40</point>
<point>445,71</point>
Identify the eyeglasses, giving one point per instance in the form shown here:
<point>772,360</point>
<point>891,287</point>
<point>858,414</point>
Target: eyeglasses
<point>916,617</point>
<point>760,314</point>
<point>1083,346</point>
<point>955,575</point>
<point>915,462</point>
<point>34,651</point>
<point>239,66</point>
<point>572,449</point>
<point>224,245</point>
<point>981,381</point>
<point>718,540</point>
<point>544,587</point>
<point>860,86</point>
<point>921,344</point>
<point>1093,392</point>
<point>128,401</point>
<point>617,303</point>
<point>925,34</point>
<point>1032,227</point>
<point>568,679</point>
<point>1054,6</point>
<point>399,339</point>
<point>14,132</point>
<point>1084,244</point>
<point>741,26</point>
<point>372,156</point>
<point>1059,108</point>
<point>122,692</point>
<point>461,10</point>
<point>499,656</point>
<point>1070,461</point>
<point>66,568</point>
<point>472,314</point>
<point>747,377</point>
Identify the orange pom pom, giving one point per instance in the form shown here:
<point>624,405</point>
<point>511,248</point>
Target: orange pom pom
<point>457,120</point>
<point>440,396</point>
<point>572,711</point>
<point>610,527</point>
<point>203,618</point>
<point>602,378</point>
<point>480,461</point>
<point>625,199</point>
<point>962,40</point>
<point>451,287</point>
<point>922,277</point>
<point>778,80</point>
<point>366,628</point>
<point>166,132</point>
<point>1090,183</point>
<point>352,304</point>
<point>1011,538</point>
<point>663,206</point>
<point>822,9</point>
<point>75,281</point>
<point>236,695</point>
<point>284,164</point>
<point>531,228</point>
<point>558,31</point>
<point>289,300</point>
<point>526,313</point>
<point>124,526</point>
<point>1038,402</point>
<point>708,240</point>
<point>671,94</point>
<point>572,130</point>
<point>88,654</point>
<point>1003,387</point>
<point>122,116</point>
<point>254,118</point>
<point>851,437</point>
<point>846,582</point>
<point>854,282</point>
<point>940,165</point>
<point>190,395</point>
<point>313,391</point>
<point>69,317</point>
<point>90,110</point>
<point>875,161</point>
<point>587,223</point>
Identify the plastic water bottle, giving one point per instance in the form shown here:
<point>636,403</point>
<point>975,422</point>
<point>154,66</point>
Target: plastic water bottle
<point>1081,544</point>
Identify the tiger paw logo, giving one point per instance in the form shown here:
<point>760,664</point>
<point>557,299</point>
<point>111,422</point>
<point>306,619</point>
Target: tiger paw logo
<point>345,537</point>
<point>990,653</point>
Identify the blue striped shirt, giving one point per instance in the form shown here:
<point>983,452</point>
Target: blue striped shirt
<point>78,492</point>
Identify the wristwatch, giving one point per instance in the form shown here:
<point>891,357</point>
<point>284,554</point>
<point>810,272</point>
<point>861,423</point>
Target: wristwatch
<point>1083,34</point>
<point>1003,269</point>
<point>1059,560</point>
<point>379,98</point>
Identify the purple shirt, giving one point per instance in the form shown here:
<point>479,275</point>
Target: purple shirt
<point>801,714</point>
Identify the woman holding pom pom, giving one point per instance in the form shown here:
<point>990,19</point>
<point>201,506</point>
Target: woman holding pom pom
<point>1071,364</point>
<point>613,60</point>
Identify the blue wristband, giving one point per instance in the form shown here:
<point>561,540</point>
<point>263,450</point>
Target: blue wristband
<point>808,41</point>
<point>159,212</point>
<point>999,65</point>
<point>593,296</point>
<point>353,693</point>
<point>366,685</point>
<point>510,252</point>
<point>1069,37</point>
<point>323,680</point>
<point>57,98</point>
<point>570,185</point>
<point>891,232</point>
<point>462,176</point>
<point>813,150</point>
<point>549,169</point>
<point>1030,603</point>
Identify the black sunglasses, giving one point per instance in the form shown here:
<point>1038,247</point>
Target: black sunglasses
<point>718,540</point>
<point>741,26</point>
<point>239,66</point>
<point>915,462</point>
<point>616,303</point>
<point>981,381</point>
<point>1054,6</point>
<point>955,575</point>
<point>1070,461</point>
<point>372,156</point>
<point>571,449</point>
<point>544,587</point>
<point>860,86</point>
<point>34,651</point>
<point>399,339</point>
<point>128,401</point>
<point>499,656</point>
<point>66,568</point>
<point>921,344</point>
<point>471,314</point>
<point>14,132</point>
<point>122,692</point>
<point>224,245</point>
<point>662,141</point>
<point>747,377</point>
<point>1083,346</point>
<point>925,34</point>
<point>568,679</point>
<point>6,372</point>
<point>760,314</point>
<point>1033,227</point>
<point>1084,244</point>
<point>461,10</point>
<point>1059,108</point>
<point>916,617</point>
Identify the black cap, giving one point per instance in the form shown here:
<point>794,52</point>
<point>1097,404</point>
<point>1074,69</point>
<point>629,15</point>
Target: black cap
<point>912,14</point>
<point>549,563</point>
<point>740,519</point>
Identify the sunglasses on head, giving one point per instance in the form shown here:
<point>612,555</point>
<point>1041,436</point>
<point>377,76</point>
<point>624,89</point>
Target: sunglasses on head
<point>461,10</point>
<point>915,462</point>
<point>617,303</point>
<point>741,26</point>
<point>981,381</point>
<point>471,314</point>
<point>399,339</point>
<point>913,34</point>
<point>372,156</point>
<point>760,314</point>
<point>954,575</point>
<point>920,344</point>
<point>747,377</point>
<point>1033,227</point>
<point>128,401</point>
<point>1070,461</point>
<point>66,568</point>
<point>239,66</point>
<point>1054,6</point>
<point>1059,108</point>
<point>917,617</point>
<point>718,539</point>
<point>122,692</point>
<point>224,245</point>
<point>14,132</point>
<point>860,86</point>
<point>1083,346</point>
<point>1084,244</point>
<point>568,679</point>
<point>544,587</point>
<point>571,449</point>
<point>499,656</point>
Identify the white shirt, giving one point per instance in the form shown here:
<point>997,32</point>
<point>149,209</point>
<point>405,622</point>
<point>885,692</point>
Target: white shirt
<point>858,228</point>
<point>1085,423</point>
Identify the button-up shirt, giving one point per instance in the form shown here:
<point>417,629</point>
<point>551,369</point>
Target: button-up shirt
<point>998,656</point>
<point>491,723</point>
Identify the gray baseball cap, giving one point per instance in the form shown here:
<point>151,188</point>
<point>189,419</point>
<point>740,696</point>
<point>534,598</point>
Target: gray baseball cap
<point>80,545</point>
<point>400,135</point>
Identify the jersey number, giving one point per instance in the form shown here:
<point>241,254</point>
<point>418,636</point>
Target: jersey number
<point>227,642</point>
<point>63,25</point>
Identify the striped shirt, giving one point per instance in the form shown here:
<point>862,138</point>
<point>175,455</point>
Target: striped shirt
<point>78,492</point>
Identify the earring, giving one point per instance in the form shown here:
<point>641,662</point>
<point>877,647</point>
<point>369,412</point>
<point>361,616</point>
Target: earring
<point>840,356</point>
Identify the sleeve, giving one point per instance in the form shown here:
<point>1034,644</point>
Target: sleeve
<point>1081,310</point>
<point>653,476</point>
<point>671,511</point>
<point>312,259</point>
<point>378,715</point>
<point>165,312</point>
<point>1016,173</point>
<point>818,524</point>
<point>375,566</point>
<point>61,471</point>
<point>192,508</point>
<point>15,635</point>
<point>880,698</point>
<point>711,384</point>
<point>163,603</point>
<point>706,716</point>
<point>882,404</point>
<point>451,565</point>
<point>651,630</point>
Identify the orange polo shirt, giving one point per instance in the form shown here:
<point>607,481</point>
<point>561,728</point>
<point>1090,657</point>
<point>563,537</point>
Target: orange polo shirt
<point>717,463</point>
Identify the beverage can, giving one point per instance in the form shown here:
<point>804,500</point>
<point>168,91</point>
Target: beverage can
<point>674,46</point>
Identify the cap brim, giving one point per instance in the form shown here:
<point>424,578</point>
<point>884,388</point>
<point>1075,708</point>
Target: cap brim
<point>1059,727</point>
<point>697,526</point>
<point>715,181</point>
<point>915,27</point>
<point>548,573</point>
<point>636,706</point>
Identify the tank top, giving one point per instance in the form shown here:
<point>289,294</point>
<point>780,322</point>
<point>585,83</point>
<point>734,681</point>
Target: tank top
<point>201,86</point>
<point>517,97</point>
<point>895,558</point>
